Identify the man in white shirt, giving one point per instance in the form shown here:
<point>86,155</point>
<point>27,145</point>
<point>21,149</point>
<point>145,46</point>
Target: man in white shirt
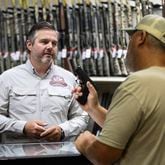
<point>36,103</point>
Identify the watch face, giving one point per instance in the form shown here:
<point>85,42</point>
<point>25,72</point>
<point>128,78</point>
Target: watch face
<point>62,134</point>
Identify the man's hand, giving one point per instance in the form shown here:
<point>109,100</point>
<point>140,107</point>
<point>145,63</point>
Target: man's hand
<point>34,128</point>
<point>52,133</point>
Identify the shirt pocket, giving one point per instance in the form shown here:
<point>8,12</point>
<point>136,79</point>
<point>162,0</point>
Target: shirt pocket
<point>23,101</point>
<point>58,101</point>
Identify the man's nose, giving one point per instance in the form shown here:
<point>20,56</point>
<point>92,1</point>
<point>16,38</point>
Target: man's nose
<point>49,45</point>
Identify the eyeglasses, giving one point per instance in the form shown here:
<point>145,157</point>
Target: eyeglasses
<point>131,33</point>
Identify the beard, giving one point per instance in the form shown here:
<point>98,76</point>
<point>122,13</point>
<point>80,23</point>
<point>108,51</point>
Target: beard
<point>47,59</point>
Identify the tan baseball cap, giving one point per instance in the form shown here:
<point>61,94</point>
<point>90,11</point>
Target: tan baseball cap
<point>153,24</point>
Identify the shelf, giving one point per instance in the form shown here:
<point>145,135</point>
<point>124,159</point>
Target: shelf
<point>108,79</point>
<point>107,84</point>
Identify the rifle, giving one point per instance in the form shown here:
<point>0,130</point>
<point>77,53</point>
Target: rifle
<point>86,38</point>
<point>138,10</point>
<point>23,32</point>
<point>99,62</point>
<point>69,37</point>
<point>110,36</point>
<point>81,33</point>
<point>57,25</point>
<point>50,9</point>
<point>116,66</point>
<point>44,9</point>
<point>144,7</point>
<point>36,11</point>
<point>76,34</point>
<point>74,57</point>
<point>14,57</point>
<point>149,3</point>
<point>163,8</point>
<point>1,42</point>
<point>129,20</point>
<point>63,48</point>
<point>94,39</point>
<point>16,36</point>
<point>105,31</point>
<point>7,38</point>
<point>129,14</point>
<point>122,40</point>
<point>91,47</point>
<point>55,15</point>
<point>62,61</point>
<point>20,28</point>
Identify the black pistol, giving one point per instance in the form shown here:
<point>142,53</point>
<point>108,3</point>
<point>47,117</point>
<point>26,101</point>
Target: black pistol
<point>83,78</point>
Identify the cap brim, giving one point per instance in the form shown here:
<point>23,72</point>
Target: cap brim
<point>130,31</point>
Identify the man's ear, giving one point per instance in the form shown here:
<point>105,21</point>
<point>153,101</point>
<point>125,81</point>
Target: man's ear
<point>28,45</point>
<point>141,37</point>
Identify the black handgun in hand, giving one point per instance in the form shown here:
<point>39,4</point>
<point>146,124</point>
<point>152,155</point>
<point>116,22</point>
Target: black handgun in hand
<point>83,78</point>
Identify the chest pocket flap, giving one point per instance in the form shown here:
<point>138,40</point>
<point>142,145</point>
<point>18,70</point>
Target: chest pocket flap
<point>59,92</point>
<point>23,101</point>
<point>23,92</point>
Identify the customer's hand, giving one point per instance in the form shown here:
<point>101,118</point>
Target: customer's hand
<point>92,100</point>
<point>84,139</point>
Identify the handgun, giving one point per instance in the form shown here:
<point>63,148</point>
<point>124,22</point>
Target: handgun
<point>83,78</point>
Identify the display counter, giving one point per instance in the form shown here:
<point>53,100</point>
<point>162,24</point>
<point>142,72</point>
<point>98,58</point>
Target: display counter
<point>55,152</point>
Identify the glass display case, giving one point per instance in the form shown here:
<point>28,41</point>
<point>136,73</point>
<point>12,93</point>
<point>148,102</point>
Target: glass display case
<point>59,152</point>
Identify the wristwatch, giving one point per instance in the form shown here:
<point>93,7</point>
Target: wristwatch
<point>62,134</point>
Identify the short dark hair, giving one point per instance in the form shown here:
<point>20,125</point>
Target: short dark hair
<point>39,26</point>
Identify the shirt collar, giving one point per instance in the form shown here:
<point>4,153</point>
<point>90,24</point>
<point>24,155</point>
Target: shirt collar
<point>33,71</point>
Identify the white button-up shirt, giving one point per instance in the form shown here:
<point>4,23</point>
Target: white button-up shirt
<point>25,96</point>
